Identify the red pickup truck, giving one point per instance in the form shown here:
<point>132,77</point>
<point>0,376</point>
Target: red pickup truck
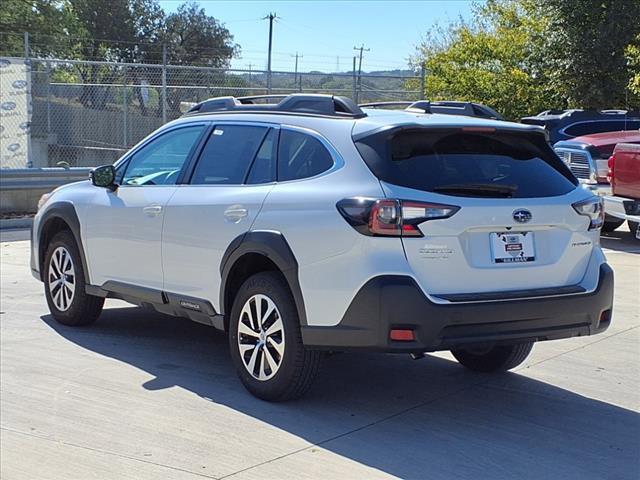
<point>624,176</point>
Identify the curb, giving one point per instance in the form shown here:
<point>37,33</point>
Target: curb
<point>8,223</point>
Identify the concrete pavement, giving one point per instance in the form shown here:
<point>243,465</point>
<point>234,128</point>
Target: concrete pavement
<point>140,395</point>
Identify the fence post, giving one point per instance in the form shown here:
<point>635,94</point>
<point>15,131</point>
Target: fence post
<point>125,108</point>
<point>423,73</point>
<point>26,45</point>
<point>48,80</point>
<point>164,83</point>
<point>355,81</point>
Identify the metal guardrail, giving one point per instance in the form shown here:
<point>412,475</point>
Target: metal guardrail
<point>40,178</point>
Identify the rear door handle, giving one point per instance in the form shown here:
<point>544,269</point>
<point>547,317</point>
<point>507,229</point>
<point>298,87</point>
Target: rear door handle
<point>152,210</point>
<point>235,213</point>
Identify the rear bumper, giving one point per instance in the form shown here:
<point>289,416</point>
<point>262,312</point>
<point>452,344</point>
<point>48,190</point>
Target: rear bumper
<point>623,208</point>
<point>396,302</point>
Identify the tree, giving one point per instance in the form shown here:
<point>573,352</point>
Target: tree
<point>49,23</point>
<point>191,37</point>
<point>524,56</point>
<point>633,60</point>
<point>586,42</point>
<point>487,60</point>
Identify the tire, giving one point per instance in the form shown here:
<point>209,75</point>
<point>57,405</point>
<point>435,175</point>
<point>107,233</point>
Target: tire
<point>68,303</point>
<point>611,223</point>
<point>497,359</point>
<point>633,228</point>
<point>287,375</point>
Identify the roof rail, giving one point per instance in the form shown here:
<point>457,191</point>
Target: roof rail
<point>384,104</point>
<point>421,106</point>
<point>301,103</point>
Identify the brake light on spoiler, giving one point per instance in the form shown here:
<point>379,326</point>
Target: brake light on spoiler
<point>391,217</point>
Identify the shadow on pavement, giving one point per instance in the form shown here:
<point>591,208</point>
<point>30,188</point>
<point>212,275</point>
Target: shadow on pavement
<point>455,423</point>
<point>620,240</point>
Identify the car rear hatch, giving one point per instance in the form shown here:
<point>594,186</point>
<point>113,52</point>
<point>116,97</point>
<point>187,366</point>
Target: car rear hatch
<point>510,223</point>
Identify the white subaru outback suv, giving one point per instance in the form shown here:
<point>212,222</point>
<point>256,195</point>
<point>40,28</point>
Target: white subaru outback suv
<point>312,225</point>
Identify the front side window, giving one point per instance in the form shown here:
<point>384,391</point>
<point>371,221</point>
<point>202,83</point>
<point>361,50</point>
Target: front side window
<point>301,156</point>
<point>227,155</point>
<point>159,162</point>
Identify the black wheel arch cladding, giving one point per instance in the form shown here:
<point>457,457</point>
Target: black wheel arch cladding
<point>63,212</point>
<point>275,248</point>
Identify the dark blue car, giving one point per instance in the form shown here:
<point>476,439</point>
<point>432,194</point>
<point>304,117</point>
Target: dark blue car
<point>566,124</point>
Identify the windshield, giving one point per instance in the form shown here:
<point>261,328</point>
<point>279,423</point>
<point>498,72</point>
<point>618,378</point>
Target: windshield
<point>460,163</point>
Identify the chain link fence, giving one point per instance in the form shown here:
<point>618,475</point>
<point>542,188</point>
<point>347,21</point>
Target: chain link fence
<point>88,113</point>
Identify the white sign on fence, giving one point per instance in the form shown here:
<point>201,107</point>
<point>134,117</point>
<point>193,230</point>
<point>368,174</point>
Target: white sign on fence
<point>15,112</point>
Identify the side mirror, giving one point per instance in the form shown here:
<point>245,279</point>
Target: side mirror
<point>104,176</point>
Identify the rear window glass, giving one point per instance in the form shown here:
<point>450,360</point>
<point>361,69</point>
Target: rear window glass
<point>453,162</point>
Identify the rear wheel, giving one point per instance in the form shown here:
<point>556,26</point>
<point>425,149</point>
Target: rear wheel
<point>64,283</point>
<point>266,343</point>
<point>633,227</point>
<point>499,358</point>
<point>611,223</point>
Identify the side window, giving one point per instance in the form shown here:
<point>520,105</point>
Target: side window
<point>263,169</point>
<point>160,161</point>
<point>301,156</point>
<point>227,155</point>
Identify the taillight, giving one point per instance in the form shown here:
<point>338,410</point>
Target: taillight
<point>592,208</point>
<point>611,164</point>
<point>391,217</point>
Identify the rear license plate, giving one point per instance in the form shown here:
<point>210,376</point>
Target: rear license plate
<point>512,247</point>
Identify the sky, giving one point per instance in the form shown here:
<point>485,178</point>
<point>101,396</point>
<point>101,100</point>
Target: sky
<point>325,32</point>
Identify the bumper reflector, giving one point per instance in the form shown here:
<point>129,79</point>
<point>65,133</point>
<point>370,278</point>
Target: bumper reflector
<point>402,335</point>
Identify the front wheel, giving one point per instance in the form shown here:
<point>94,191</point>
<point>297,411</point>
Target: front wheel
<point>634,227</point>
<point>64,283</point>
<point>266,343</point>
<point>499,358</point>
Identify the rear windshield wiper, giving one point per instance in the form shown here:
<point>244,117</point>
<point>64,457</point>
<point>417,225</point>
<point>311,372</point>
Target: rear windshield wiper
<point>477,189</point>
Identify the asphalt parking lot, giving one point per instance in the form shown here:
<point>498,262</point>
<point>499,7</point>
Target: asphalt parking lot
<point>141,395</point>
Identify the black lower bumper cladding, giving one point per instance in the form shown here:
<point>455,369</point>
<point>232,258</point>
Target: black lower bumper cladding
<point>397,302</point>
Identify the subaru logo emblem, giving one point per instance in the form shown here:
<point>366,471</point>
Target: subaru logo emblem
<point>522,215</point>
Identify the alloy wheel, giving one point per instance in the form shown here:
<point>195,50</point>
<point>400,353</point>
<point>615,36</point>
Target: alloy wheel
<point>261,337</point>
<point>62,279</point>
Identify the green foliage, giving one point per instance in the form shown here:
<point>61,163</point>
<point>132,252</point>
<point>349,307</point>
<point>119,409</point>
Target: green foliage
<point>523,56</point>
<point>488,60</point>
<point>114,30</point>
<point>50,22</point>
<point>632,53</point>
<point>586,40</point>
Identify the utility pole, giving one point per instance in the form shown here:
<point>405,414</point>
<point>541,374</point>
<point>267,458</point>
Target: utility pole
<point>271,17</point>
<point>295,75</point>
<point>362,49</point>
<point>163,93</point>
